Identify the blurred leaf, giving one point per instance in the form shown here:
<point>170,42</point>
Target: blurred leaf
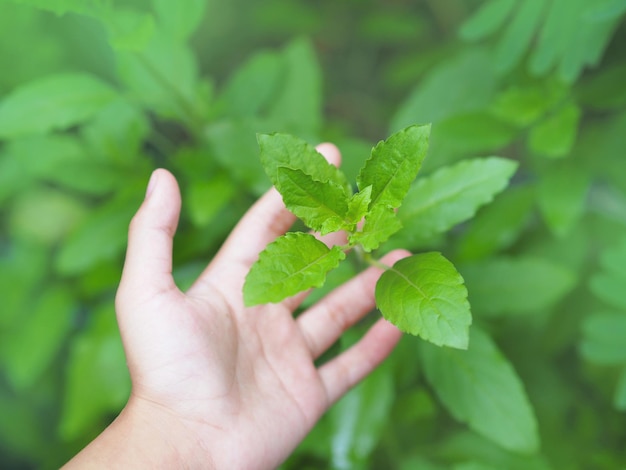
<point>604,89</point>
<point>452,195</point>
<point>359,419</point>
<point>163,77</point>
<point>619,398</point>
<point>253,85</point>
<point>55,102</point>
<point>523,105</point>
<point>128,29</point>
<point>481,388</point>
<point>180,18</point>
<point>523,285</point>
<point>31,346</point>
<point>603,338</point>
<point>96,380</point>
<point>298,105</point>
<point>100,236</point>
<point>498,225</point>
<point>555,136</point>
<point>608,284</point>
<point>519,34</point>
<point>424,295</point>
<point>472,133</point>
<point>489,18</point>
<point>45,215</point>
<point>561,195</point>
<point>443,94</point>
<point>207,196</point>
<point>290,264</point>
<point>56,6</point>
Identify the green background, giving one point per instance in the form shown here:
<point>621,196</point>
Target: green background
<point>94,94</point>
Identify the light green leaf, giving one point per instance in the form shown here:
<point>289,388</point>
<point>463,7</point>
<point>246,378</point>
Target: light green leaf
<point>29,348</point>
<point>453,194</point>
<point>180,18</point>
<point>380,224</point>
<point>603,338</point>
<point>323,206</point>
<point>358,205</point>
<point>555,136</point>
<point>488,19</point>
<point>96,383</point>
<point>128,29</point>
<point>59,7</point>
<point>52,103</point>
<point>292,263</point>
<point>207,196</point>
<point>480,387</point>
<point>424,295</point>
<point>284,150</point>
<point>561,196</point>
<point>608,284</point>
<point>298,105</point>
<point>523,285</point>
<point>393,165</point>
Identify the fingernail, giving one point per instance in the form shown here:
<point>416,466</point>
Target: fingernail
<point>152,183</point>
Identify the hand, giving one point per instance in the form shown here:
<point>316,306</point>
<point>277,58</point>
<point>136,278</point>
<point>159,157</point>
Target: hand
<point>216,384</point>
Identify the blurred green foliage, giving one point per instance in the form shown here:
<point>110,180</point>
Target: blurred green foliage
<point>94,94</point>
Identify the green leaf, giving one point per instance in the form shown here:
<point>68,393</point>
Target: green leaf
<point>31,346</point>
<point>207,196</point>
<point>562,196</point>
<point>555,136</point>
<point>292,263</point>
<point>619,397</point>
<point>523,285</point>
<point>358,205</point>
<point>284,150</point>
<point>481,388</point>
<point>128,29</point>
<point>498,225</point>
<point>608,284</point>
<point>59,7</point>
<point>323,206</point>
<point>488,19</point>
<point>424,295</point>
<point>180,18</point>
<point>393,165</point>
<point>380,224</point>
<point>452,195</point>
<point>603,338</point>
<point>52,103</point>
<point>96,382</point>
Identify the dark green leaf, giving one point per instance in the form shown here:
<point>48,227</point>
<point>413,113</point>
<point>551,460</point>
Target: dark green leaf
<point>52,103</point>
<point>424,295</point>
<point>523,285</point>
<point>481,388</point>
<point>291,264</point>
<point>323,206</point>
<point>393,166</point>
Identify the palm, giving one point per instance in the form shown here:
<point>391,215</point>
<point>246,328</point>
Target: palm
<point>225,370</point>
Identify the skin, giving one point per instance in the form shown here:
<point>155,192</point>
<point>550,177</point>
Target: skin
<point>216,384</point>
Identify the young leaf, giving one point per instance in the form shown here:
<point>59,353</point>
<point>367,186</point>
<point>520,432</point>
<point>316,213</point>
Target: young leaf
<point>380,224</point>
<point>52,103</point>
<point>394,164</point>
<point>292,263</point>
<point>480,387</point>
<point>323,206</point>
<point>284,150</point>
<point>358,204</point>
<point>453,194</point>
<point>424,295</point>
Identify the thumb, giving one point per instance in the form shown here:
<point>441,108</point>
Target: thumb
<point>148,265</point>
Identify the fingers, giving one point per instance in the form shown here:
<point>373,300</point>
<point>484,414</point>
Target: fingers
<point>348,369</point>
<point>148,265</point>
<point>266,220</point>
<point>325,321</point>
